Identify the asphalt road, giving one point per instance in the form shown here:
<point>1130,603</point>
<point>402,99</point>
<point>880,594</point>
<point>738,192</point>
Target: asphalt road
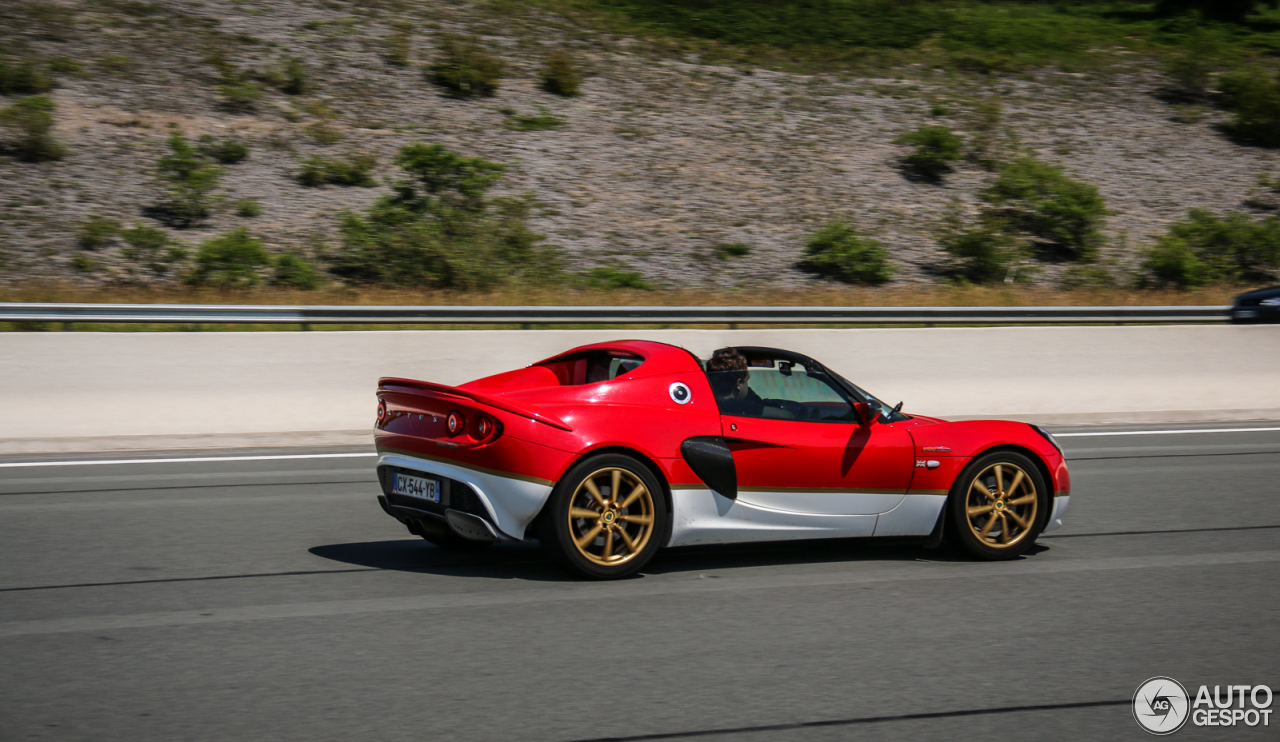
<point>273,600</point>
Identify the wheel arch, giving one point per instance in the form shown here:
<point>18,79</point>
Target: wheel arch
<point>1036,459</point>
<point>648,462</point>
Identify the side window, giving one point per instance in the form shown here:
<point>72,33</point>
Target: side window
<point>783,392</point>
<point>622,366</point>
<point>593,366</point>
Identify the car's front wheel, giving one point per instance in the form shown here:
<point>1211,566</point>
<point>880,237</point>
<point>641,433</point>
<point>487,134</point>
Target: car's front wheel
<point>605,517</point>
<point>998,506</point>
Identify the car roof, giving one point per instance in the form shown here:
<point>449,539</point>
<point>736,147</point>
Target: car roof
<point>1260,293</point>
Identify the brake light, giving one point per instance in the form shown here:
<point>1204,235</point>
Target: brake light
<point>484,426</point>
<point>456,423</point>
<point>382,410</point>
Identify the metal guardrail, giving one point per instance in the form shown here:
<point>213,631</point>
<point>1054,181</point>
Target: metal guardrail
<point>462,315</point>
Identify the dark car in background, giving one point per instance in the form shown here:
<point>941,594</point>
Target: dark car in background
<point>1262,305</point>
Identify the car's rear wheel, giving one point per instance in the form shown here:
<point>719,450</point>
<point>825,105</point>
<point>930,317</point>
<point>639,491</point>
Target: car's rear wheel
<point>605,517</point>
<point>998,505</point>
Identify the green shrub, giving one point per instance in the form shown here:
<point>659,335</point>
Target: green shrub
<point>544,120</point>
<point>1172,262</point>
<point>228,151</point>
<point>1042,200</point>
<point>357,170</point>
<point>248,208</point>
<point>295,78</point>
<point>116,64</point>
<point>841,252</point>
<point>438,229</point>
<point>23,79</point>
<point>1189,75</point>
<point>442,182</point>
<point>96,232</point>
<point>981,253</point>
<point>936,147</point>
<point>1253,95</point>
<point>464,68</point>
<point>64,65</point>
<point>732,250</point>
<point>296,272</point>
<point>613,277</point>
<point>151,248</point>
<point>985,121</point>
<point>190,179</point>
<point>33,118</point>
<point>240,96</point>
<point>83,263</point>
<point>399,45</point>
<point>323,133</point>
<point>1087,276</point>
<point>826,26</point>
<point>560,74</point>
<point>1234,11</point>
<point>233,260</point>
<point>1266,196</point>
<point>1206,248</point>
<point>984,62</point>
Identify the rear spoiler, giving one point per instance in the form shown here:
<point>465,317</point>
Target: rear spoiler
<point>427,388</point>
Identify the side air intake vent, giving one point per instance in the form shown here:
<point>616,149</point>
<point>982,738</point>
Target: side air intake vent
<point>711,459</point>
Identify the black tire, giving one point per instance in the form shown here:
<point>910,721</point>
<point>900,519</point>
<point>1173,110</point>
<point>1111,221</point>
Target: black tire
<point>611,532</point>
<point>990,522</point>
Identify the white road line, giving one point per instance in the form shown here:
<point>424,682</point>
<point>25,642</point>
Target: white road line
<point>1166,432</point>
<point>16,464</point>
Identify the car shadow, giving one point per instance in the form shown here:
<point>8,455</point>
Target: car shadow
<point>781,553</point>
<point>525,561</point>
<point>507,561</point>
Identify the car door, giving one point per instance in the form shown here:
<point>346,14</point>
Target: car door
<point>798,446</point>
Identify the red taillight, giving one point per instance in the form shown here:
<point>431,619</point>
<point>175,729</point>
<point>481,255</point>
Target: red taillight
<point>382,410</point>
<point>457,423</point>
<point>484,426</point>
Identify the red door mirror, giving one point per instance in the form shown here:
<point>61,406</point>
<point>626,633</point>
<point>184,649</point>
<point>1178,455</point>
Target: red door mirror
<point>866,415</point>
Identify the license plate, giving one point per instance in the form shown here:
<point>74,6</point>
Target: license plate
<point>1246,313</point>
<point>418,487</point>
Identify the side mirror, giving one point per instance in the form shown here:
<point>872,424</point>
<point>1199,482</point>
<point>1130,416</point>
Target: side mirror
<point>866,413</point>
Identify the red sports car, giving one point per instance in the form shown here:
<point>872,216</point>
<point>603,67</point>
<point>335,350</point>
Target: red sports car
<point>609,452</point>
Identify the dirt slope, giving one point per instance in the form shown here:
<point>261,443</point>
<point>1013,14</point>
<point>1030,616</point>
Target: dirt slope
<point>659,161</point>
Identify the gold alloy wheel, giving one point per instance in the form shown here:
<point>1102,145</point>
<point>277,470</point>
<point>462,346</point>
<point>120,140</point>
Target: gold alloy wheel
<point>1001,505</point>
<point>611,516</point>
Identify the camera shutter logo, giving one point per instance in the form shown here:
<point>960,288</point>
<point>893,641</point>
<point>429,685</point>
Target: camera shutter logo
<point>1161,705</point>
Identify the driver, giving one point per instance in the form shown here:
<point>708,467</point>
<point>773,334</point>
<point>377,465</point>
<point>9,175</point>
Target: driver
<point>728,373</point>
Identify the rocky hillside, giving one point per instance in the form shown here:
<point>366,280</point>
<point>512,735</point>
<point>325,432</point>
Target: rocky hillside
<point>657,161</point>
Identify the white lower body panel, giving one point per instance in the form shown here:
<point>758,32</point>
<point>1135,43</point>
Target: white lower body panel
<point>702,516</point>
<point>821,503</point>
<point>512,503</point>
<point>1055,517</point>
<point>916,515</point>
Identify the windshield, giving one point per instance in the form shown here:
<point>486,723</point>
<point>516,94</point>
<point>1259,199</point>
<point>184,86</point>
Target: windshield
<point>787,386</point>
<point>887,415</point>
